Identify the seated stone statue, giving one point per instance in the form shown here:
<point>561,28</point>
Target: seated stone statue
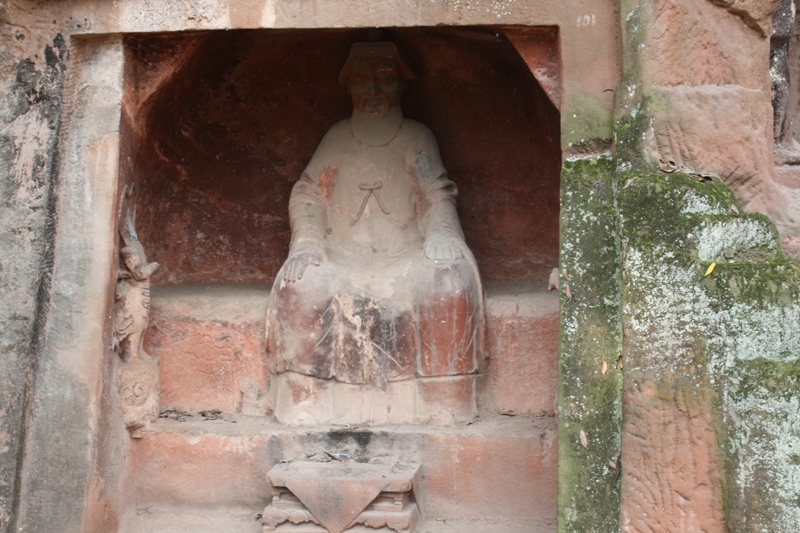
<point>377,315</point>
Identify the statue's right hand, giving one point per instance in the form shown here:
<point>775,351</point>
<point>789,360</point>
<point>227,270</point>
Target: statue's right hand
<point>296,265</point>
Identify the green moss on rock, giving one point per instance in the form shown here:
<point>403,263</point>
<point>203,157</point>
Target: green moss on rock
<point>590,409</point>
<point>731,332</point>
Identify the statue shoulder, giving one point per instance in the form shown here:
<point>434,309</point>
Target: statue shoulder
<point>418,131</point>
<point>422,151</point>
<point>338,130</point>
<point>419,138</point>
<point>339,135</point>
<point>336,134</point>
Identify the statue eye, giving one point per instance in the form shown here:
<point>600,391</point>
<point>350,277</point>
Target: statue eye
<point>387,78</point>
<point>360,77</point>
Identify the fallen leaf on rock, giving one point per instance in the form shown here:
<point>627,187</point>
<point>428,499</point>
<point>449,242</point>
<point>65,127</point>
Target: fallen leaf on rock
<point>604,367</point>
<point>553,281</point>
<point>710,269</point>
<point>615,464</point>
<point>568,292</point>
<point>734,208</point>
<point>630,182</point>
<point>584,440</point>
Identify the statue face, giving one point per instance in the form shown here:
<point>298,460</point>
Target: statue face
<point>375,85</point>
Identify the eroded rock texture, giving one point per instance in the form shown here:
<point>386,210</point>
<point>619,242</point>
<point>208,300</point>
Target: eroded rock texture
<point>30,109</point>
<point>706,352</point>
<point>698,98</point>
<point>756,13</point>
<point>673,471</point>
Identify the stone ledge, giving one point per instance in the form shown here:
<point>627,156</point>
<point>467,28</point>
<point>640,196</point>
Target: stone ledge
<point>210,343</point>
<point>236,520</point>
<point>241,302</point>
<point>503,467</point>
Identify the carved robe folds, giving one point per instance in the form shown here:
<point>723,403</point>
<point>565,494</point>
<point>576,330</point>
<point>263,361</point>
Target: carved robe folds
<point>377,332</point>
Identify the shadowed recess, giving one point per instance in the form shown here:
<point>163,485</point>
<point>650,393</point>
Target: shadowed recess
<point>217,127</point>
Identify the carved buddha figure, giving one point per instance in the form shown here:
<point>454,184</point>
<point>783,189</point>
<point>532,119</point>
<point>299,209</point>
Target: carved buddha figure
<point>377,314</point>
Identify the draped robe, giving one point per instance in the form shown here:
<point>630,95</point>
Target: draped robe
<point>376,310</point>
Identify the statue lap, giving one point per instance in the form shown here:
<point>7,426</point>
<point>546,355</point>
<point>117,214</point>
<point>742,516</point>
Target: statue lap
<point>373,325</point>
<point>373,331</point>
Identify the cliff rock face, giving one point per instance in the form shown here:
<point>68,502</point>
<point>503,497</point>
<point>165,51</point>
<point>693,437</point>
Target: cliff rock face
<point>32,65</point>
<point>679,353</point>
<point>756,13</point>
<point>710,315</point>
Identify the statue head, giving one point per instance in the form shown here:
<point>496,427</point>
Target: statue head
<point>376,73</point>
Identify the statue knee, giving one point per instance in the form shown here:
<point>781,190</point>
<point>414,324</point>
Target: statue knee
<point>454,280</point>
<point>449,321</point>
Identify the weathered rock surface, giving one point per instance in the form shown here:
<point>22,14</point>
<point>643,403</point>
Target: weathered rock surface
<point>590,374</point>
<point>707,351</point>
<point>673,471</point>
<point>695,130</point>
<point>696,43</point>
<point>210,343</point>
<point>30,109</point>
<point>756,13</point>
<point>698,98</point>
<point>74,430</point>
<point>522,322</point>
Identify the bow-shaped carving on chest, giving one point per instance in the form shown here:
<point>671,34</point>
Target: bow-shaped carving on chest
<point>371,190</point>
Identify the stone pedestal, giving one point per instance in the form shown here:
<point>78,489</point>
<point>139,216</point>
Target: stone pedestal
<point>311,497</point>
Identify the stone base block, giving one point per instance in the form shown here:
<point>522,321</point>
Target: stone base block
<point>210,343</point>
<point>503,468</point>
<point>340,496</point>
<point>523,324</point>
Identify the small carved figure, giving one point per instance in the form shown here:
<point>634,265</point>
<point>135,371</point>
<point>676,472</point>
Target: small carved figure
<point>380,291</point>
<point>138,373</point>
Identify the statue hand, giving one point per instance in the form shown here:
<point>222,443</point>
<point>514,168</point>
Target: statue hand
<point>443,246</point>
<point>296,265</point>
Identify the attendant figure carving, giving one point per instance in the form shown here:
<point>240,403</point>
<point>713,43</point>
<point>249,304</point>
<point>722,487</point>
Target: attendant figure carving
<point>138,371</point>
<point>377,314</point>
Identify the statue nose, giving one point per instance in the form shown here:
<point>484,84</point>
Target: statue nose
<point>373,85</point>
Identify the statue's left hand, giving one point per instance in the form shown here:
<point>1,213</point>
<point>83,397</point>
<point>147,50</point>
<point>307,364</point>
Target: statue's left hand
<point>444,246</point>
<point>296,265</point>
